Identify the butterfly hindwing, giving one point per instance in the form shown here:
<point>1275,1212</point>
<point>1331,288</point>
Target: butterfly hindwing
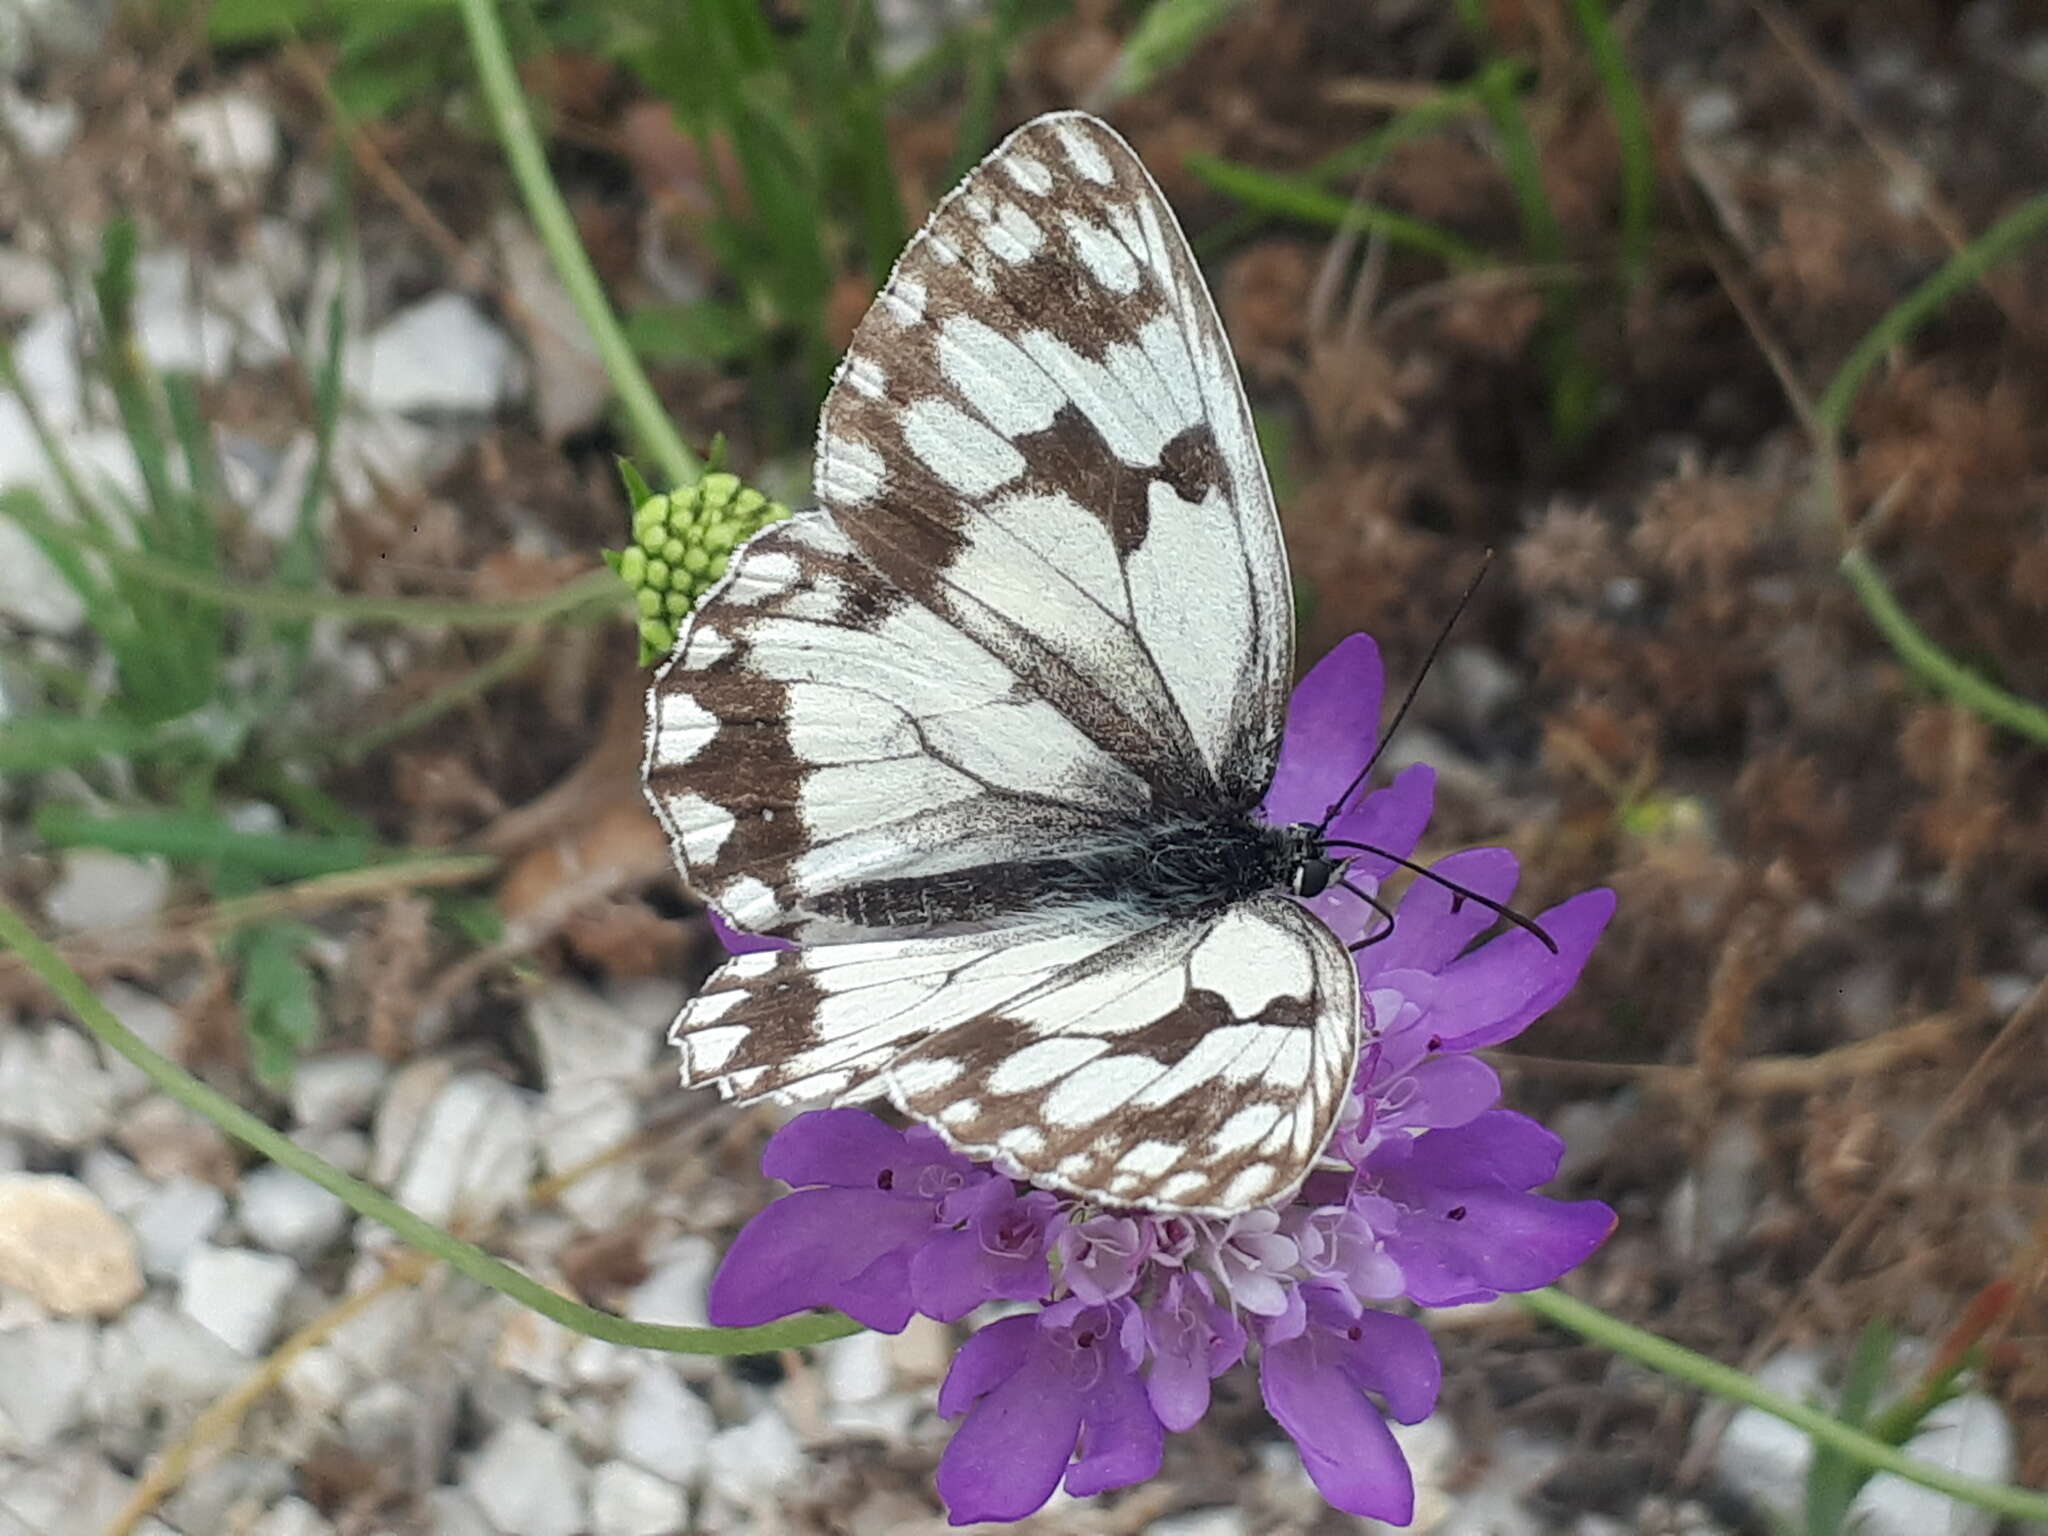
<point>1039,432</point>
<point>1196,1065</point>
<point>834,760</point>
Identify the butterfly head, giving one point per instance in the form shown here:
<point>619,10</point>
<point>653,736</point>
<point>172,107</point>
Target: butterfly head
<point>1311,868</point>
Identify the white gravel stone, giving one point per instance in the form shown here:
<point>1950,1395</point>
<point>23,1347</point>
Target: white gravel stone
<point>678,1279</point>
<point>43,129</point>
<point>591,1057</point>
<point>473,1156</point>
<point>1711,1207</point>
<point>319,1381</point>
<point>233,140</point>
<point>625,1501</point>
<point>750,1461</point>
<point>339,1090</point>
<point>71,1491</point>
<point>64,1248</point>
<point>439,355</point>
<point>857,1368</point>
<point>1219,1521</point>
<point>1494,1504</point>
<point>156,1362</point>
<point>289,1214</point>
<point>236,1294</point>
<point>177,1218</point>
<point>53,1087</point>
<point>1765,1460</point>
<point>663,1426</point>
<point>583,1038</point>
<point>99,889</point>
<point>43,1373</point>
<point>1432,1451</point>
<point>116,1180</point>
<point>155,1020</point>
<point>528,1482</point>
<point>451,1512</point>
<point>291,1517</point>
<point>381,1421</point>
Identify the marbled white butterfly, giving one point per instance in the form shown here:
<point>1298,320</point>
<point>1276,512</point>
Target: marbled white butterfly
<point>986,734</point>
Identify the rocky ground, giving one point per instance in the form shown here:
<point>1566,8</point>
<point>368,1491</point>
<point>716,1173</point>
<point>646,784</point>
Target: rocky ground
<point>1834,886</point>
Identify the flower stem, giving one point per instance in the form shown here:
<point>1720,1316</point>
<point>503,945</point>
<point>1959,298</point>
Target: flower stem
<point>793,1333</point>
<point>557,231</point>
<point>1675,1360</point>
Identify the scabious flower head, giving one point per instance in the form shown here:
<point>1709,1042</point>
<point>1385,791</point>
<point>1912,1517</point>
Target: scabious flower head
<point>681,543</point>
<point>1427,1198</point>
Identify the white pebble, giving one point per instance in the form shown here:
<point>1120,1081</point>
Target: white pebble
<point>663,1426</point>
<point>291,1517</point>
<point>232,138</point>
<point>43,1373</point>
<point>53,1087</point>
<point>178,1216</point>
<point>338,1090</point>
<point>625,1501</point>
<point>675,1288</point>
<point>236,1294</point>
<point>528,1482</point>
<point>751,1460</point>
<point>438,355</point>
<point>472,1158</point>
<point>1219,1521</point>
<point>154,1363</point>
<point>98,889</point>
<point>64,1248</point>
<point>287,1213</point>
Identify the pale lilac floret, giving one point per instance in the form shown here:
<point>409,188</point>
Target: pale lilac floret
<point>1427,1200</point>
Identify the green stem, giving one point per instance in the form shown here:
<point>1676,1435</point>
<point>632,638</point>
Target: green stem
<point>1930,663</point>
<point>557,231</point>
<point>1927,660</point>
<point>1631,133</point>
<point>1675,1360</point>
<point>794,1333</point>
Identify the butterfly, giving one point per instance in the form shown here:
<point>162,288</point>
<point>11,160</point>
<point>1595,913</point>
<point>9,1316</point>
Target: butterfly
<point>986,734</point>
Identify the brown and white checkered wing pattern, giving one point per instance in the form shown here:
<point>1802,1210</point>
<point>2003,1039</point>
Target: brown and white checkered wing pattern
<point>1038,431</point>
<point>1197,1065</point>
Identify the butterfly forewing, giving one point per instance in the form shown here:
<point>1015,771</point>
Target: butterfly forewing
<point>1039,431</point>
<point>1043,615</point>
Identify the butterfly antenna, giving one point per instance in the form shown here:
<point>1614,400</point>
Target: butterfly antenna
<point>1408,699</point>
<point>1384,931</point>
<point>1459,893</point>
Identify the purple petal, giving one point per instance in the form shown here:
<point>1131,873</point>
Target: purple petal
<point>1504,987</point>
<point>738,943</point>
<point>1499,1148</point>
<point>1502,1241</point>
<point>1450,1091</point>
<point>1331,722</point>
<point>1346,1446</point>
<point>1428,933</point>
<point>1122,1440</point>
<point>1392,818</point>
<point>1010,1452</point>
<point>1395,1357</point>
<point>844,1147</point>
<point>990,1357</point>
<point>948,1276</point>
<point>804,1249</point>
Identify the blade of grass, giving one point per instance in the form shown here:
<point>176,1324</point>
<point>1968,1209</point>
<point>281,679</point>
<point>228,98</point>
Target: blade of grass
<point>1709,1375</point>
<point>1163,36</point>
<point>557,231</point>
<point>365,1200</point>
<point>198,838</point>
<point>1631,133</point>
<point>1833,1478</point>
<point>1292,198</point>
<point>39,743</point>
<point>1925,659</point>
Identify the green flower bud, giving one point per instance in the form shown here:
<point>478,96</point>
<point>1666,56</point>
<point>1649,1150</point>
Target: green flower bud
<point>681,543</point>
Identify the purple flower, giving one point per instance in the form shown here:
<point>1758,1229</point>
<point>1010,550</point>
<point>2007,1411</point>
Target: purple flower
<point>1135,1314</point>
<point>738,943</point>
<point>1322,1384</point>
<point>1047,1397</point>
